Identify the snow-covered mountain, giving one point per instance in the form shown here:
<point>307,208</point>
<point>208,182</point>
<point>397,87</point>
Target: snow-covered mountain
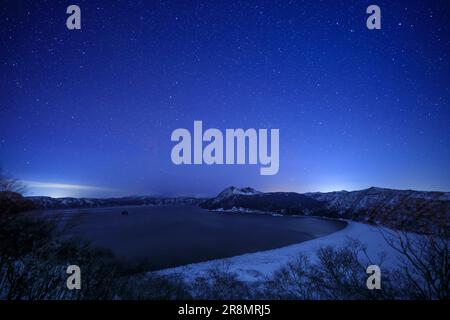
<point>61,203</point>
<point>402,209</point>
<point>232,192</point>
<point>248,198</point>
<point>343,201</point>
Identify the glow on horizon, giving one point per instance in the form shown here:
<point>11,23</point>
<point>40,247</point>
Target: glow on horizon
<point>58,190</point>
<point>318,186</point>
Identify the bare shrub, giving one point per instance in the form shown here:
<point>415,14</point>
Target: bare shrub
<point>33,263</point>
<point>153,286</point>
<point>220,283</point>
<point>8,184</point>
<point>340,274</point>
<point>292,281</point>
<point>424,262</point>
<point>337,274</point>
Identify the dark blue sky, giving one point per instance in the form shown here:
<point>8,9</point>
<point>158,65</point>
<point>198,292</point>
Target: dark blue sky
<point>90,112</point>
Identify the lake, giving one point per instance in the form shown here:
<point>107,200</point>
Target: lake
<point>168,236</point>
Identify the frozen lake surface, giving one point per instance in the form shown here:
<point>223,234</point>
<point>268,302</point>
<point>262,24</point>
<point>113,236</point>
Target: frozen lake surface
<point>168,236</point>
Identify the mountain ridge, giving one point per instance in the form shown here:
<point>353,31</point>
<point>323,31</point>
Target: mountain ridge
<point>411,210</point>
<point>72,203</point>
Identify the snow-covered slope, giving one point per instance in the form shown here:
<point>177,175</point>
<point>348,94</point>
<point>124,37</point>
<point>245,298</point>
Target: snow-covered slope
<point>259,265</point>
<point>230,191</point>
<point>402,209</point>
<point>275,202</point>
<point>363,199</point>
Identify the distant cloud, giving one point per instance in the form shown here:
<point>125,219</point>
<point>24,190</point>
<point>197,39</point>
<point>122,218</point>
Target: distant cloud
<point>66,186</point>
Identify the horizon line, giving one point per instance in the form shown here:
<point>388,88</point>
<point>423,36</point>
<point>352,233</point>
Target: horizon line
<point>204,196</point>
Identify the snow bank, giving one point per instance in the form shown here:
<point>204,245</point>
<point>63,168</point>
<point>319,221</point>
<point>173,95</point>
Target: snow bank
<point>256,266</point>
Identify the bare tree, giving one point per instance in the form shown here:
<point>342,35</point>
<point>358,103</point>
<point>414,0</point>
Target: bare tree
<point>8,184</point>
<point>220,283</point>
<point>338,273</point>
<point>424,261</point>
<point>292,281</point>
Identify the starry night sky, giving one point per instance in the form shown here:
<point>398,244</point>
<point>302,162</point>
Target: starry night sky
<point>90,112</point>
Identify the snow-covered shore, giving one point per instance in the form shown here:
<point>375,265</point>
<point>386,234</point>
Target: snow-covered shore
<point>257,266</point>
